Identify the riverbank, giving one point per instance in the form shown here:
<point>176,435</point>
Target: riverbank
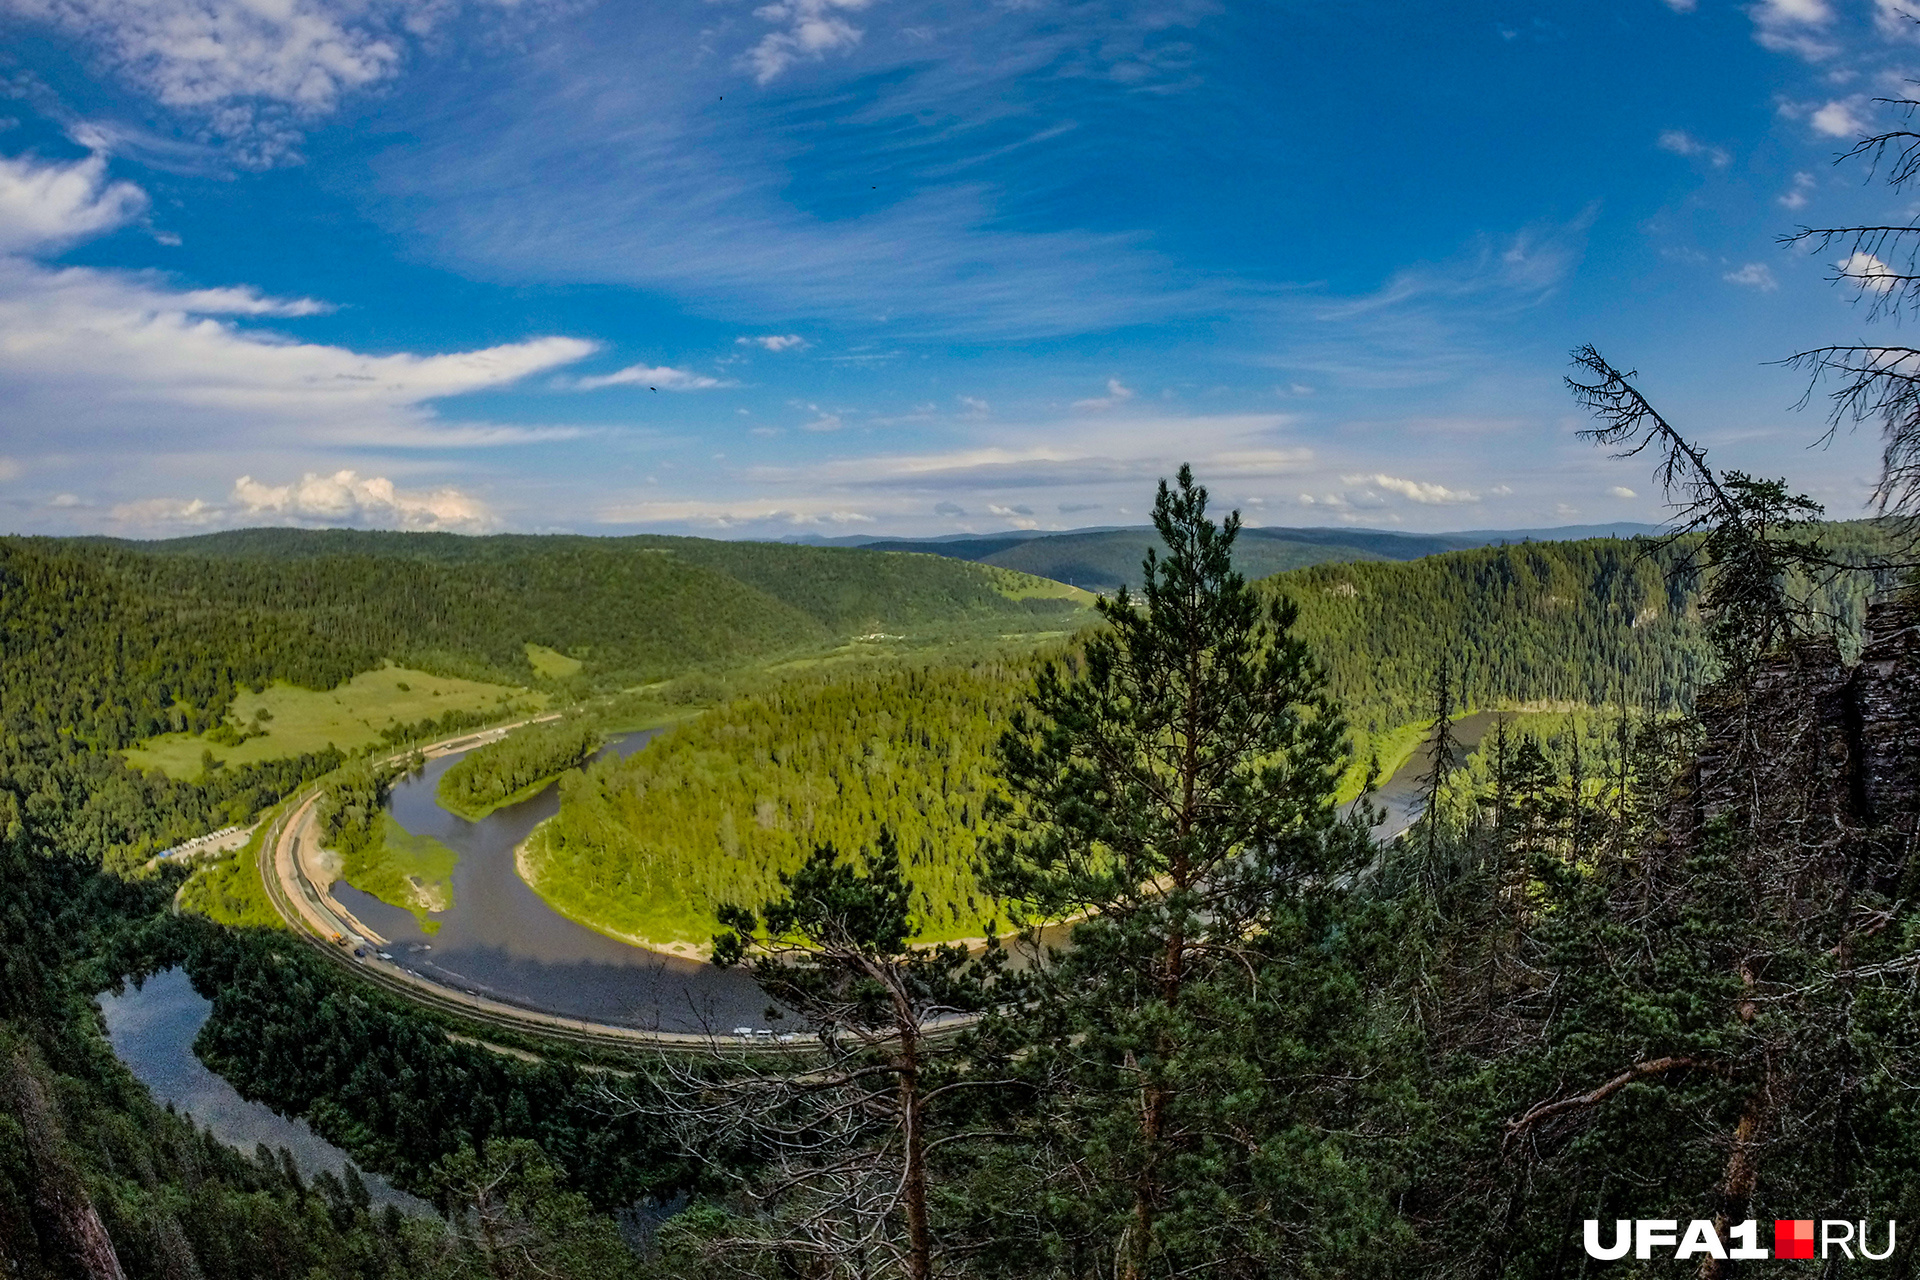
<point>523,867</point>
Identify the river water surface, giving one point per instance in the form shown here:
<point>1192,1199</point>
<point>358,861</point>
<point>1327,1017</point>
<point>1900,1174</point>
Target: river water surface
<point>1399,796</point>
<point>501,939</point>
<point>152,1030</point>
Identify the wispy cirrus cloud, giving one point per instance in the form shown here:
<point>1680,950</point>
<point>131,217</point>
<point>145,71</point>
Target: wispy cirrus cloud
<point>252,74</point>
<point>537,181</point>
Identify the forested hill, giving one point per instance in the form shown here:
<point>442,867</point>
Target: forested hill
<point>1590,622</point>
<point>629,609</point>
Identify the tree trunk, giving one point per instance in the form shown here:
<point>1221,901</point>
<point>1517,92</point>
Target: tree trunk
<point>914,1184</point>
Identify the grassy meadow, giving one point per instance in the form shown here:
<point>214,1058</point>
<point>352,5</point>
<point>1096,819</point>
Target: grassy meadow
<point>414,873</point>
<point>551,664</point>
<point>349,716</point>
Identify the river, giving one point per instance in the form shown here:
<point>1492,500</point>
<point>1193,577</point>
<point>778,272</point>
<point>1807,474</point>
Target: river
<point>1399,796</point>
<point>152,1029</point>
<point>501,939</point>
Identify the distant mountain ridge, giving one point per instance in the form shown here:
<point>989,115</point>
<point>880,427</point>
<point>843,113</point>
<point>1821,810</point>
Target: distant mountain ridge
<point>1103,559</point>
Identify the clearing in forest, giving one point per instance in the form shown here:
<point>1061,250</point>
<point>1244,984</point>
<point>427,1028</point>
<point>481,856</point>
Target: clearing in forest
<point>351,715</point>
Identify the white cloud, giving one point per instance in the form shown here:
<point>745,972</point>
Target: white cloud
<point>1755,275</point>
<point>1417,490</point>
<point>9,469</point>
<point>119,355</point>
<point>654,378</point>
<point>1056,455</point>
<point>45,204</point>
<point>160,514</point>
<point>345,497</point>
<point>1621,491</point>
<point>1796,196</point>
<point>1682,6</point>
<point>1116,395</point>
<point>1839,119</point>
<point>254,71</point>
<point>825,422</point>
<point>1868,272</point>
<point>975,407</point>
<point>776,342</point>
<point>809,29</point>
<point>1794,26</point>
<point>1682,143</point>
<point>1895,19</point>
<point>200,52</point>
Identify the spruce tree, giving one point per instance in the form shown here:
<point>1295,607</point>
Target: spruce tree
<point>1442,747</point>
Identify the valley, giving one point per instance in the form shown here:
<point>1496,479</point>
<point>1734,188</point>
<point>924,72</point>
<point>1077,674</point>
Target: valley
<point>508,793</point>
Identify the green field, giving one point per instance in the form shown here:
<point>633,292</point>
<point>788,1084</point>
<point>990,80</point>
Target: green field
<point>349,716</point>
<point>551,664</point>
<point>414,873</point>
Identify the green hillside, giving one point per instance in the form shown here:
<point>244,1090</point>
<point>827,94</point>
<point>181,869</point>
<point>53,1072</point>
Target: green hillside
<point>1590,622</point>
<point>182,646</point>
<point>836,591</point>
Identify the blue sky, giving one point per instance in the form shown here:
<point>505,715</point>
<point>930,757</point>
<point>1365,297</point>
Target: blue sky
<point>893,267</point>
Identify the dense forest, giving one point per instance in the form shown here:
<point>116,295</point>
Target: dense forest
<point>1607,621</point>
<point>630,609</point>
<point>487,777</point>
<point>719,807</point>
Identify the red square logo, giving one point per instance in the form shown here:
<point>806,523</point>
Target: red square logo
<point>1793,1238</point>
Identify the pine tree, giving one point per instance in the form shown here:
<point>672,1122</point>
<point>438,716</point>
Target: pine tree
<point>1175,790</point>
